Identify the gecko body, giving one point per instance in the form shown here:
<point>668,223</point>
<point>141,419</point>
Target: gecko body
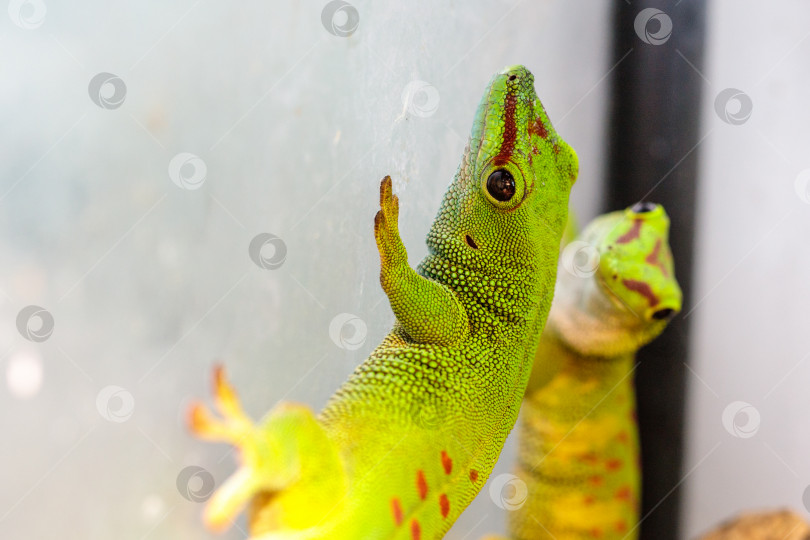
<point>409,440</point>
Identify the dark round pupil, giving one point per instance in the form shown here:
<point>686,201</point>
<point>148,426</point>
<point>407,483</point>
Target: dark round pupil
<point>501,185</point>
<point>643,207</point>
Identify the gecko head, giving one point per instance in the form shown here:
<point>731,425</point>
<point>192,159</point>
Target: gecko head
<point>628,288</point>
<point>509,201</point>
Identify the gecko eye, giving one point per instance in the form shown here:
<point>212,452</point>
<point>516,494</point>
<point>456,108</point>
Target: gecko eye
<point>643,207</point>
<point>663,314</point>
<point>501,185</point>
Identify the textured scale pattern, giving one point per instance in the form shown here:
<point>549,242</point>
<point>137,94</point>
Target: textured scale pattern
<point>409,440</point>
<point>578,439</point>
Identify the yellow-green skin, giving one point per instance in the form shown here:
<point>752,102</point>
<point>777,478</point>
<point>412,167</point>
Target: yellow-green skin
<point>409,440</point>
<point>578,446</point>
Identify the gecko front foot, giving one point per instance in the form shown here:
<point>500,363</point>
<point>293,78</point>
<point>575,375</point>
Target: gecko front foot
<point>427,310</point>
<point>393,255</point>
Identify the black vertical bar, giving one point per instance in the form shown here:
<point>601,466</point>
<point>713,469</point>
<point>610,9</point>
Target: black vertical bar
<point>653,146</point>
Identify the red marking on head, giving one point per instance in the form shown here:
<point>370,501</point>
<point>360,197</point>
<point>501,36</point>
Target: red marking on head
<point>613,464</point>
<point>447,463</point>
<point>654,258</point>
<point>556,148</point>
<point>509,131</point>
<point>632,234</point>
<point>643,289</point>
<point>444,505</point>
<point>473,476</point>
<point>421,484</point>
<point>396,510</point>
<point>538,128</point>
<point>596,480</point>
<point>623,493</point>
<point>416,530</point>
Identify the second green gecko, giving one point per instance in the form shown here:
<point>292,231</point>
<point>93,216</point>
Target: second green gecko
<point>578,442</point>
<point>468,320</point>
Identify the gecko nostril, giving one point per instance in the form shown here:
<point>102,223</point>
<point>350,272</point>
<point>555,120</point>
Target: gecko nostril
<point>643,207</point>
<point>663,314</point>
<point>471,242</point>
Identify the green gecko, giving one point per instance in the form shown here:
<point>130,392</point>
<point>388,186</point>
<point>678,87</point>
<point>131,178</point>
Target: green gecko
<point>578,442</point>
<point>409,440</point>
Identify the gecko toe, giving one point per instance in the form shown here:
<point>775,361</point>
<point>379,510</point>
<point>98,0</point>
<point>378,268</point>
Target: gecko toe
<point>385,190</point>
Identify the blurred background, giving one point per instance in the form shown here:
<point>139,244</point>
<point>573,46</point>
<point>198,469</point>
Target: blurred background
<point>192,182</point>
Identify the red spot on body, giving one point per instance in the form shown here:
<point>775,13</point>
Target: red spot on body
<point>589,459</point>
<point>621,527</point>
<point>596,480</point>
<point>624,437</point>
<point>416,530</point>
<point>613,464</point>
<point>509,131</point>
<point>632,234</point>
<point>396,510</point>
<point>623,493</point>
<point>556,148</point>
<point>447,463</point>
<point>473,476</point>
<point>643,289</point>
<point>421,484</point>
<point>589,500</point>
<point>444,505</point>
<point>654,258</point>
<point>596,533</point>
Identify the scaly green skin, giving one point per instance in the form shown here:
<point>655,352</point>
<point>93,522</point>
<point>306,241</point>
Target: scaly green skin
<point>407,442</point>
<point>578,450</point>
